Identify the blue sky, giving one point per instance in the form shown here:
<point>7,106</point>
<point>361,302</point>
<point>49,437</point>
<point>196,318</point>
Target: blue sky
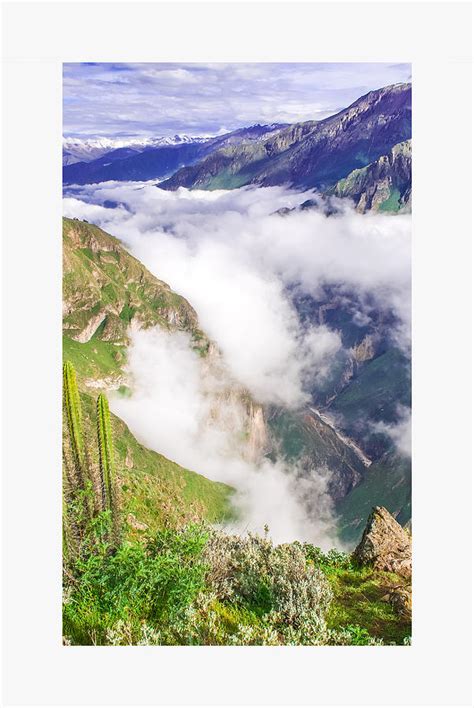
<point>204,99</point>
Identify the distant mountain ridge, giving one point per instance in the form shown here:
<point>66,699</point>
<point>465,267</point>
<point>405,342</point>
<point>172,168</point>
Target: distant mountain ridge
<point>89,149</point>
<point>149,158</point>
<point>311,154</point>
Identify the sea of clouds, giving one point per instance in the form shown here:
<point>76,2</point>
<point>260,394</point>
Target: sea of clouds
<point>234,258</point>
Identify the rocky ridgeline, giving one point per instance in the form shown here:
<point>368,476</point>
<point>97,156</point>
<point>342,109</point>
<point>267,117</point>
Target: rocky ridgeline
<point>105,290</point>
<point>309,154</point>
<point>384,185</point>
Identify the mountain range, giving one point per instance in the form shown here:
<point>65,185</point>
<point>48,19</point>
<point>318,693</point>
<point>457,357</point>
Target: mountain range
<point>89,149</point>
<point>362,153</point>
<point>311,154</point>
<point>153,159</point>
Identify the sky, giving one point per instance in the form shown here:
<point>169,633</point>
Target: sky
<point>152,100</point>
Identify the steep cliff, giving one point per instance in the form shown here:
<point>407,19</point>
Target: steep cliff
<point>384,185</point>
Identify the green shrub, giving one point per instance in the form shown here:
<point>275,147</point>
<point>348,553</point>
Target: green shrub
<point>135,585</point>
<point>198,586</point>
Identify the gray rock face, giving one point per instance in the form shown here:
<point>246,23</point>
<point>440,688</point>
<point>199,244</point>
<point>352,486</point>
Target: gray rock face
<point>385,545</point>
<point>384,185</point>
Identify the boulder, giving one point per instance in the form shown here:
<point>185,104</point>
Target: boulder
<point>385,545</point>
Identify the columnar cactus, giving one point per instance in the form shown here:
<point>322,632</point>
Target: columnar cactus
<point>86,493</point>
<point>106,460</point>
<point>72,407</point>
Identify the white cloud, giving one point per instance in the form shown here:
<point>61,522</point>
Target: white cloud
<point>233,258</point>
<point>171,410</point>
<point>399,432</point>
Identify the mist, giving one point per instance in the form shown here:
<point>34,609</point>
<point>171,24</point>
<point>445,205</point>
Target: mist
<point>398,432</point>
<point>234,258</point>
<point>171,410</point>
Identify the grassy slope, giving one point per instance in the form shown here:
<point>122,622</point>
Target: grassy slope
<point>303,438</point>
<point>360,599</point>
<point>94,359</point>
<point>155,490</point>
<point>381,386</point>
<point>101,279</point>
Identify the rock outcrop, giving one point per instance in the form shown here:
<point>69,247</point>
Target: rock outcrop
<point>384,185</point>
<point>385,545</point>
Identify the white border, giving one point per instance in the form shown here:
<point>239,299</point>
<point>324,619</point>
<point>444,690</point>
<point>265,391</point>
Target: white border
<point>435,37</point>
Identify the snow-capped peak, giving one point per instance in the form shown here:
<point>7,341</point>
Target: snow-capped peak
<point>88,149</point>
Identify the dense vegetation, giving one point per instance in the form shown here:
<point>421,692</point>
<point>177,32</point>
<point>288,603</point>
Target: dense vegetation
<point>188,583</point>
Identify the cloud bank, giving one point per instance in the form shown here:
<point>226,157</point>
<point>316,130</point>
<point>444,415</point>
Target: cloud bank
<point>235,260</point>
<point>171,410</point>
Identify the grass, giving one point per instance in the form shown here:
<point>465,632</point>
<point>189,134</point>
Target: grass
<point>94,359</point>
<point>358,601</point>
<point>177,587</point>
<point>392,203</point>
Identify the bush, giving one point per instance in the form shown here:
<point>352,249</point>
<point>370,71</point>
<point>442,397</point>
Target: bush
<point>135,585</point>
<point>277,583</point>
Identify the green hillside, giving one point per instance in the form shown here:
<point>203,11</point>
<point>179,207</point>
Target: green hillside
<point>104,288</point>
<point>155,491</point>
<point>381,386</point>
<point>305,439</point>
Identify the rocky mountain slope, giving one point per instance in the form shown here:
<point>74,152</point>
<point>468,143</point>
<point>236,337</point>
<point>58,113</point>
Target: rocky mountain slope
<point>105,290</point>
<point>310,154</point>
<point>384,185</point>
